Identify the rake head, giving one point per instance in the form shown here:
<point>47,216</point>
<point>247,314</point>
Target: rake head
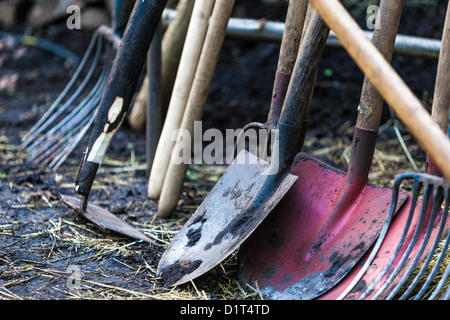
<point>411,250</point>
<point>61,128</point>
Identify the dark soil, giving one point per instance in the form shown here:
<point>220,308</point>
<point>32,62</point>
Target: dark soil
<point>41,239</point>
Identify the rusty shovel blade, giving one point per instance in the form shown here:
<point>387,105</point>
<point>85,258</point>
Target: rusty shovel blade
<point>227,216</point>
<point>105,219</point>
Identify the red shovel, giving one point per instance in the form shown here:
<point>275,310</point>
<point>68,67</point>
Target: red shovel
<point>410,239</point>
<point>328,219</point>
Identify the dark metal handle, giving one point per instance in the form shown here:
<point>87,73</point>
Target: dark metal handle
<point>121,87</point>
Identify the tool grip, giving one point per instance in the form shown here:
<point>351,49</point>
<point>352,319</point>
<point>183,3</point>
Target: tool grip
<point>122,83</point>
<point>292,34</point>
<point>298,97</point>
<point>371,104</point>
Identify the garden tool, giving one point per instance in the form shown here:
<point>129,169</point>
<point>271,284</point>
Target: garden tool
<point>154,114</point>
<point>172,46</point>
<point>176,172</point>
<point>293,29</point>
<point>414,234</point>
<point>183,82</point>
<point>115,102</point>
<point>251,186</point>
<point>328,219</point>
<point>61,128</point>
<point>389,84</point>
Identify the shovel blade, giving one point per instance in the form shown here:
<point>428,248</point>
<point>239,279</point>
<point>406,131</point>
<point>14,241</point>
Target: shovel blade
<point>105,219</point>
<point>222,222</point>
<point>297,253</point>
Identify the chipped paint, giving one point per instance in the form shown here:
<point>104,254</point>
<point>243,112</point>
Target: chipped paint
<point>101,144</point>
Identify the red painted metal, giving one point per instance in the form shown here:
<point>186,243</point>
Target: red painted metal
<point>321,228</point>
<point>413,233</point>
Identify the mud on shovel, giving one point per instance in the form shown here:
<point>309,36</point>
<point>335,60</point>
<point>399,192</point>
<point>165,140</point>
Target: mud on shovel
<point>251,187</point>
<point>328,219</point>
<point>115,101</point>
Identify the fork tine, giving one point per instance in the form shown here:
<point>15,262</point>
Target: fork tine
<point>31,134</point>
<point>416,190</point>
<point>425,285</point>
<point>437,196</point>
<point>401,244</point>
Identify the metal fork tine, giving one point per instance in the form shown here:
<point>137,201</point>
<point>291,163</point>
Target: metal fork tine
<point>374,252</point>
<point>76,122</point>
<point>58,100</point>
<point>416,238</point>
<point>42,146</point>
<point>436,193</point>
<point>62,156</point>
<point>431,254</point>
<point>71,99</point>
<point>84,121</point>
<point>443,280</point>
<point>41,124</point>
<point>442,255</point>
<point>416,189</point>
<point>399,266</point>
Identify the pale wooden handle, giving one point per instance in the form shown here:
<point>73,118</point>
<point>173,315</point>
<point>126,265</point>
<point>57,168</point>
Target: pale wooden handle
<point>183,82</point>
<point>393,89</point>
<point>172,47</point>
<point>215,36</point>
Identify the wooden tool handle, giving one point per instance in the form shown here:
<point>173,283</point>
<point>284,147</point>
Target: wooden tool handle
<point>172,46</point>
<point>195,38</point>
<point>393,89</point>
<point>371,104</point>
<point>176,173</point>
<point>122,83</point>
<point>292,34</point>
<point>441,99</point>
<point>296,105</point>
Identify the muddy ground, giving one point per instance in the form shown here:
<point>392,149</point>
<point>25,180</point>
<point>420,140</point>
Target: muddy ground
<point>44,245</point>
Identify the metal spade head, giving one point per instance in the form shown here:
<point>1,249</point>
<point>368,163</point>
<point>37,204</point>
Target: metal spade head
<point>309,242</point>
<point>396,266</point>
<point>105,219</point>
<point>227,216</point>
